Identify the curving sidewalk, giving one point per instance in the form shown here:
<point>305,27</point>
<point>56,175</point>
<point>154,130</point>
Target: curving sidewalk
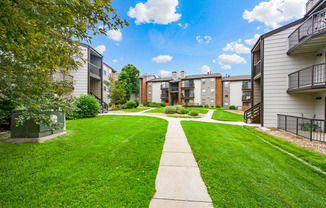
<point>178,181</point>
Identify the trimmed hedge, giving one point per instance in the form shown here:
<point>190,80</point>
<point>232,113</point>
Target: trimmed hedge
<point>232,107</point>
<point>218,106</point>
<point>193,105</point>
<point>137,102</point>
<point>146,104</point>
<point>182,111</point>
<point>163,104</point>
<point>88,107</point>
<point>170,110</point>
<point>131,104</point>
<point>193,113</point>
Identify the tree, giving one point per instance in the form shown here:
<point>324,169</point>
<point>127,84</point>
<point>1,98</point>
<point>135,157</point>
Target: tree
<point>129,80</point>
<point>117,92</point>
<point>40,37</point>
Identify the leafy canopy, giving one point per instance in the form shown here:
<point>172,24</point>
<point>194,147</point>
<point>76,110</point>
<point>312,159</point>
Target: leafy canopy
<point>39,38</point>
<point>129,80</point>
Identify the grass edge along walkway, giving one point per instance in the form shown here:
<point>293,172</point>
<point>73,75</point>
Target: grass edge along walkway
<point>242,170</point>
<point>222,115</point>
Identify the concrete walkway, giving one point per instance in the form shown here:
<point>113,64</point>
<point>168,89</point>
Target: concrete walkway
<point>178,181</point>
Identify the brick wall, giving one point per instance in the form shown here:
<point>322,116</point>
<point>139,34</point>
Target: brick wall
<point>218,92</point>
<point>245,107</point>
<point>143,88</point>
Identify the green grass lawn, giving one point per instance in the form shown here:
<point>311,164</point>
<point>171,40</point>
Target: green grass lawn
<point>241,170</point>
<point>134,110</point>
<point>184,116</point>
<point>223,115</point>
<point>161,110</point>
<point>107,161</point>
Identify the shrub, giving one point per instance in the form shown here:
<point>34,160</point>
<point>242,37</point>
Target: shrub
<point>192,105</point>
<point>163,104</point>
<point>170,110</point>
<point>218,106</point>
<point>6,106</point>
<point>131,104</point>
<point>206,106</point>
<point>178,107</point>
<point>232,107</point>
<point>153,104</point>
<point>137,103</point>
<point>193,113</point>
<point>87,106</point>
<point>182,111</point>
<point>146,104</point>
<point>212,106</point>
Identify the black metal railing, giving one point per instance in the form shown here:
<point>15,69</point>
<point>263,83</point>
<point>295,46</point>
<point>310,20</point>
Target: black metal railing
<point>310,4</point>
<point>164,86</point>
<point>188,85</point>
<point>309,77</point>
<point>257,68</point>
<point>246,97</point>
<point>316,23</point>
<point>104,105</point>
<point>252,112</point>
<point>164,96</point>
<point>312,129</point>
<point>188,95</point>
<point>174,89</point>
<point>95,69</point>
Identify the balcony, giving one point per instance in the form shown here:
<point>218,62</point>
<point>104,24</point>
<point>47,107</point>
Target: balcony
<point>246,86</point>
<point>174,89</point>
<point>246,98</point>
<point>257,69</point>
<point>95,71</point>
<point>164,96</point>
<point>309,36</point>
<point>312,129</point>
<point>188,95</point>
<point>310,4</point>
<point>164,87</point>
<point>310,78</point>
<point>188,85</point>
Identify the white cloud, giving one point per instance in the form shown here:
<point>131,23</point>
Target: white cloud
<point>115,35</point>
<point>253,40</point>
<point>117,44</point>
<point>206,39</point>
<point>214,61</point>
<point>183,26</point>
<point>237,47</point>
<point>155,11</point>
<point>227,60</point>
<point>162,58</point>
<point>164,73</point>
<point>100,49</point>
<point>121,59</point>
<point>274,12</point>
<point>205,69</point>
<point>115,61</point>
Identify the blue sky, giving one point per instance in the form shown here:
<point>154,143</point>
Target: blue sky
<point>176,35</point>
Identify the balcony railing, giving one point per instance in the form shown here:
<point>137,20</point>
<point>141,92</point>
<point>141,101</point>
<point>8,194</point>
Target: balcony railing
<point>174,89</point>
<point>315,24</point>
<point>164,96</point>
<point>246,97</point>
<point>188,85</point>
<point>308,78</point>
<point>246,87</point>
<point>95,69</point>
<point>257,68</point>
<point>313,129</point>
<point>164,87</point>
<point>188,95</point>
<point>310,4</point>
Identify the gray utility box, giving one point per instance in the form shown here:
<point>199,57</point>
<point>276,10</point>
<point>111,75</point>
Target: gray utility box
<point>32,130</point>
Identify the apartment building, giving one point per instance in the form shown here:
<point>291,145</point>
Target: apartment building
<point>288,75</point>
<point>237,92</point>
<point>193,89</point>
<point>90,76</point>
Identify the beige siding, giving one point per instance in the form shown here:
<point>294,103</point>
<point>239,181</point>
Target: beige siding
<point>236,93</point>
<point>95,87</point>
<point>156,93</point>
<point>277,66</point>
<point>197,91</point>
<point>106,78</point>
<point>81,75</point>
<point>257,91</point>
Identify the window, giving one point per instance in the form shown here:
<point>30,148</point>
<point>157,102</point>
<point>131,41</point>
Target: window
<point>203,81</point>
<point>246,104</point>
<point>226,84</point>
<point>212,80</point>
<point>226,96</point>
<point>212,91</point>
<point>165,85</point>
<point>104,72</point>
<point>212,102</point>
<point>226,104</point>
<point>203,92</point>
<point>104,88</point>
<point>203,102</point>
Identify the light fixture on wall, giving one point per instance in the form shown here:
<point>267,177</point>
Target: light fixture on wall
<point>319,54</point>
<point>318,98</point>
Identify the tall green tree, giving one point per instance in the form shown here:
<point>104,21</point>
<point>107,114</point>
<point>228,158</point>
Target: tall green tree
<point>40,37</point>
<point>129,80</point>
